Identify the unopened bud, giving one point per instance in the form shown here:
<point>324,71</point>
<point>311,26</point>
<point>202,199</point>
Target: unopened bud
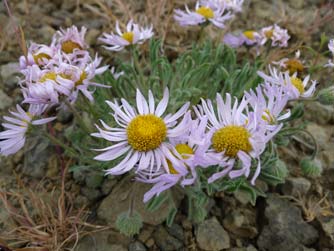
<point>326,96</point>
<point>311,168</point>
<point>129,224</point>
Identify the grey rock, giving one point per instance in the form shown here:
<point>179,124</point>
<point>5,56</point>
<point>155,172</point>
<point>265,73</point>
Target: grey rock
<point>91,194</point>
<point>319,133</point>
<point>122,193</point>
<point>8,70</point>
<point>36,157</point>
<point>137,246</point>
<point>249,248</point>
<point>176,231</point>
<point>321,114</point>
<point>296,186</point>
<point>102,241</point>
<point>165,241</point>
<point>5,101</point>
<point>286,230</point>
<point>327,225</point>
<point>211,236</point>
<point>241,222</point>
<point>108,184</point>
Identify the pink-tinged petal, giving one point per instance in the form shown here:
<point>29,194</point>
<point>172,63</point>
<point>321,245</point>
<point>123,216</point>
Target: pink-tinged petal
<point>112,154</point>
<point>161,108</point>
<point>43,121</point>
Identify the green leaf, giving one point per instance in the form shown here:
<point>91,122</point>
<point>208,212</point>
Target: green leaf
<point>156,202</point>
<point>171,216</point>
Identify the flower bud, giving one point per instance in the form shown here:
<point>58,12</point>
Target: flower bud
<point>326,96</point>
<point>129,224</point>
<point>311,168</point>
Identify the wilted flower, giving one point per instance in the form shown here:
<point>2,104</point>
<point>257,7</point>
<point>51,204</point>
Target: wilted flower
<point>71,39</point>
<point>293,86</point>
<point>142,136</point>
<point>277,35</point>
<point>205,12</point>
<point>291,64</point>
<point>133,35</point>
<point>13,139</point>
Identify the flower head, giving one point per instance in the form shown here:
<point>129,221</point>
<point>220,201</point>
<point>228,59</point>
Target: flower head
<point>38,54</point>
<point>291,64</point>
<point>293,86</point>
<point>233,5</point>
<point>331,49</point>
<point>71,39</point>
<point>142,135</point>
<point>13,139</point>
<point>133,35</point>
<point>248,37</point>
<point>236,134</point>
<point>277,35</point>
<point>205,12</point>
<point>270,101</point>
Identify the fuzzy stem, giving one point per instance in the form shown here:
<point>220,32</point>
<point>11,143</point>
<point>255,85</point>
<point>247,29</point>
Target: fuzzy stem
<point>137,67</point>
<point>78,118</point>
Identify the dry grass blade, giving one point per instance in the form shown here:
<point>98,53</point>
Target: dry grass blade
<point>44,221</point>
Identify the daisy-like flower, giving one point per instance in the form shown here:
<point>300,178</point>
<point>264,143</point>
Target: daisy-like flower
<point>233,5</point>
<point>38,54</point>
<point>208,12</point>
<point>277,35</point>
<point>291,64</point>
<point>82,77</point>
<point>133,35</point>
<point>237,135</point>
<point>331,49</point>
<point>293,86</point>
<point>142,135</point>
<point>248,37</point>
<point>61,78</point>
<point>71,39</point>
<point>44,86</point>
<point>13,139</point>
<point>270,101</point>
<point>192,147</point>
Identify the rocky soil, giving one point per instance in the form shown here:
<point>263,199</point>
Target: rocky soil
<point>298,215</point>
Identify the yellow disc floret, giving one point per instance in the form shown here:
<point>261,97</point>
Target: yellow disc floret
<point>39,57</point>
<point>146,132</point>
<point>128,36</point>
<point>249,34</point>
<point>183,150</point>
<point>69,46</point>
<point>269,33</point>
<point>205,12</point>
<point>83,76</point>
<point>298,83</point>
<point>48,76</point>
<point>294,65</point>
<point>231,139</point>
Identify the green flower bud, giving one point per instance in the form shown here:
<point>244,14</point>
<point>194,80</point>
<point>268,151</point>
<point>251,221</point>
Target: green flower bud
<point>129,225</point>
<point>311,168</point>
<point>326,96</point>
